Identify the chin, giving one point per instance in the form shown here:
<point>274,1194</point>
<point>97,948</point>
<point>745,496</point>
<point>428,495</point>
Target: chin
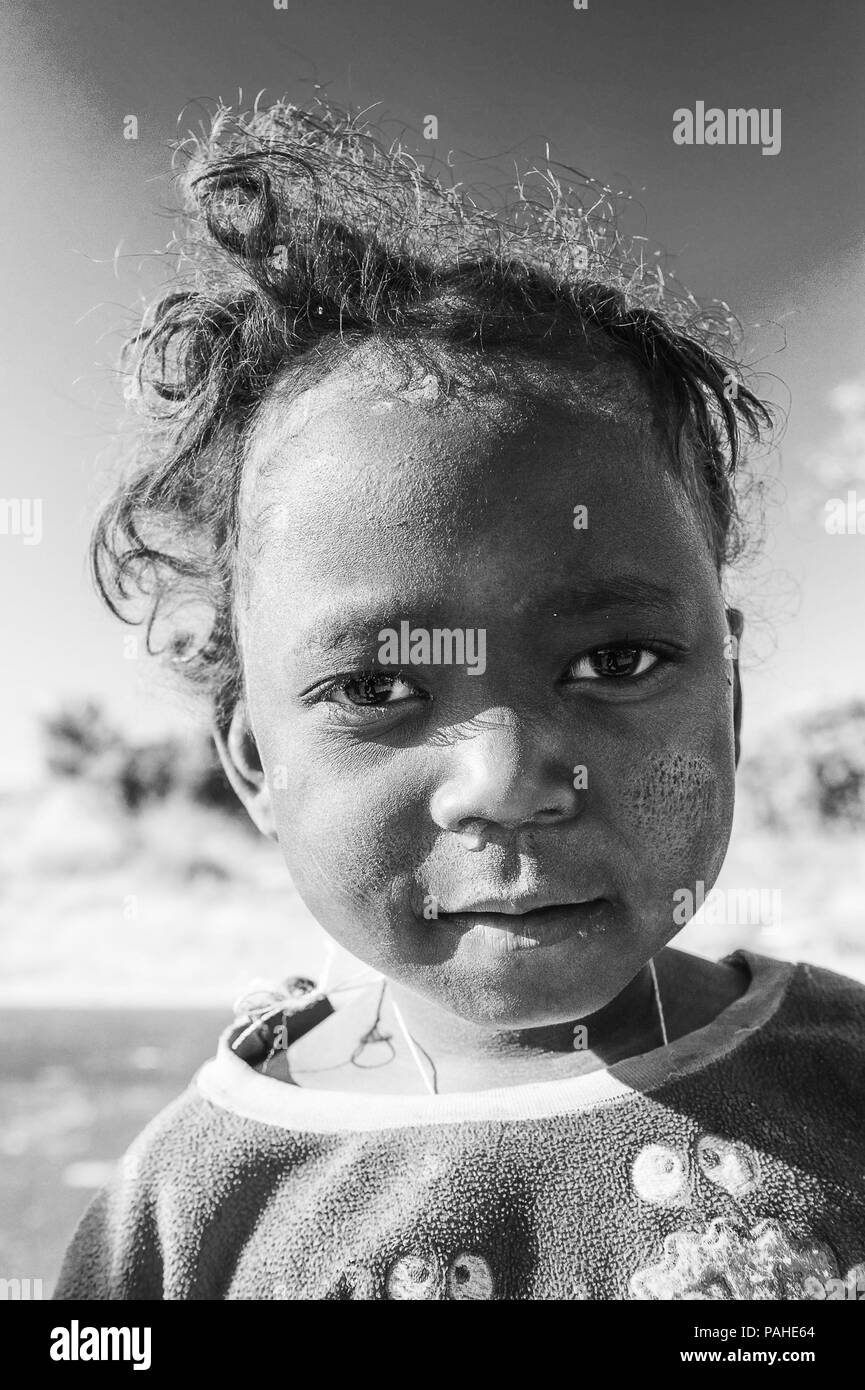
<point>498,1007</point>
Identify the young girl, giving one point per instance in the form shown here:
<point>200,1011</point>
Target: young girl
<point>437,508</point>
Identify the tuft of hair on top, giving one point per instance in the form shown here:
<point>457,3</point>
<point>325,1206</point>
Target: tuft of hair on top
<point>303,234</point>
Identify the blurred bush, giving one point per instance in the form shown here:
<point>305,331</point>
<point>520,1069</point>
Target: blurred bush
<point>79,742</point>
<point>811,774</point>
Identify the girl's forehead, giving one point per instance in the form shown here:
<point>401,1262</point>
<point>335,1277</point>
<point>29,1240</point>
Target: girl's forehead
<point>351,482</point>
<point>389,433</point>
<point>354,488</point>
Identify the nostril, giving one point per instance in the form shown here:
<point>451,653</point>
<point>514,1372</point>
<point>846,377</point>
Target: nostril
<point>470,825</point>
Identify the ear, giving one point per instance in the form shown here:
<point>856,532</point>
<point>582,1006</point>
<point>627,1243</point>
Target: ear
<point>238,753</point>
<point>736,625</point>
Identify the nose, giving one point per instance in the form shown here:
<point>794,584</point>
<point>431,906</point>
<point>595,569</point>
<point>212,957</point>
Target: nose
<point>504,775</point>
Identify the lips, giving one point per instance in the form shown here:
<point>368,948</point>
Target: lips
<point>514,907</point>
<point>504,926</point>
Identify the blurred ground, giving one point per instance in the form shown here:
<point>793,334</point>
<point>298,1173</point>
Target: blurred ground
<point>179,904</point>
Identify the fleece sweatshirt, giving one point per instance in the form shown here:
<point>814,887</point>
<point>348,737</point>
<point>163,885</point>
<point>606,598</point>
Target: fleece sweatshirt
<point>728,1165</point>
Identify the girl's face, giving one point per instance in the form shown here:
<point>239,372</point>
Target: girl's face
<point>503,836</point>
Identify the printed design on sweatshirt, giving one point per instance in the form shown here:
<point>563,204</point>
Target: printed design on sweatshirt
<point>421,1274</point>
<point>725,1257</point>
<point>667,1177</point>
<point>728,1259</point>
<point>425,1275</point>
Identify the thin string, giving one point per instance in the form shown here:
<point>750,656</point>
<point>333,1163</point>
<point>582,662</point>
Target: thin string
<point>277,1001</point>
<point>324,973</point>
<point>374,1035</point>
<point>431,1086</point>
<point>371,1036</point>
<point>355,982</point>
<point>658,1002</point>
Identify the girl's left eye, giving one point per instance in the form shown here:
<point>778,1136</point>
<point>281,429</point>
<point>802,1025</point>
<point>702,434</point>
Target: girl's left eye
<point>614,663</point>
<point>371,690</point>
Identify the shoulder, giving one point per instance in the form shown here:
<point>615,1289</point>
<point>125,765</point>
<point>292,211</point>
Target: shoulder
<point>813,1038</point>
<point>195,1163</point>
<point>117,1248</point>
<point>204,1139</point>
<point>826,1011</point>
<point>816,1001</point>
<point>845,995</point>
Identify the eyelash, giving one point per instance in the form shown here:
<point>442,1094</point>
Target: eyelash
<point>664,654</point>
<point>322,695</point>
<point>662,651</point>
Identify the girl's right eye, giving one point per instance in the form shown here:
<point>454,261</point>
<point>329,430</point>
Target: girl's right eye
<point>372,690</point>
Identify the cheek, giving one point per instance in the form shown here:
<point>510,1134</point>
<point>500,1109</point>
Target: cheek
<point>347,836</point>
<point>679,810</point>
<point>676,791</point>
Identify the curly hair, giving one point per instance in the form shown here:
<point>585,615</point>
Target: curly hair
<point>304,236</point>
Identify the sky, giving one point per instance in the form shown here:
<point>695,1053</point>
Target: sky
<point>779,237</point>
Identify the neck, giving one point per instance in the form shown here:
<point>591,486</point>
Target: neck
<point>468,1056</point>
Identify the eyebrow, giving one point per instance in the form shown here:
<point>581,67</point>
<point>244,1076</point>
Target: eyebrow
<point>620,591</point>
<point>348,624</point>
<point>351,624</point>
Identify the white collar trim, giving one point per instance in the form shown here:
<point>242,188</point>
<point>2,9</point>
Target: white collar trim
<point>234,1085</point>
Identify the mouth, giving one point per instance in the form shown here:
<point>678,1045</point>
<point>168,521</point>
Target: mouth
<point>513,924</point>
<point>525,906</point>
